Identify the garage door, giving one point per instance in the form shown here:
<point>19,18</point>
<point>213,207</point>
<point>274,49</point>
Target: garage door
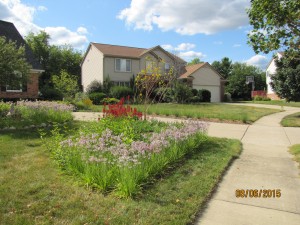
<point>214,90</point>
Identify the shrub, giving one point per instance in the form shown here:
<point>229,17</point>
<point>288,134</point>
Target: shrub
<point>79,96</point>
<point>110,101</point>
<point>94,86</point>
<point>182,92</point>
<point>84,104</point>
<point>4,109</point>
<point>261,98</point>
<point>50,93</point>
<point>97,98</point>
<point>164,94</point>
<point>195,92</point>
<point>205,95</point>
<point>120,92</point>
<point>227,97</point>
<point>195,99</point>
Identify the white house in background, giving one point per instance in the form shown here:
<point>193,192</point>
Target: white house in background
<point>271,70</point>
<point>120,63</point>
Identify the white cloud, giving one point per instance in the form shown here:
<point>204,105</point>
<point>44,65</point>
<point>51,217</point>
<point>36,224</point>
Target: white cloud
<point>186,17</point>
<point>185,47</point>
<point>182,50</point>
<point>180,47</point>
<point>259,61</point>
<point>22,16</point>
<point>42,8</point>
<point>82,30</point>
<point>237,45</point>
<point>191,55</point>
<point>61,36</point>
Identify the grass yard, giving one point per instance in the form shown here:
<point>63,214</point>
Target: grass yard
<point>211,111</point>
<point>206,111</point>
<point>276,102</point>
<point>34,190</point>
<point>291,120</point>
<point>295,150</point>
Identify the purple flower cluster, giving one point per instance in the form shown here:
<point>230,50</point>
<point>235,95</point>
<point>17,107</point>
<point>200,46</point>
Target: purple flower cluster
<point>112,149</point>
<point>46,105</point>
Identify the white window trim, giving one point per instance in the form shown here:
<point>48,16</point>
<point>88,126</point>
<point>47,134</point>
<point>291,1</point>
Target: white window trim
<point>121,71</point>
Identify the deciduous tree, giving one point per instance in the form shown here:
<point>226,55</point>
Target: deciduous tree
<point>286,81</point>
<point>276,24</point>
<point>13,65</point>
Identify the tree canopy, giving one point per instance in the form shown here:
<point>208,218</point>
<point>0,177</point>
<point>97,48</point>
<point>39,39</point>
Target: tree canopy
<point>13,65</point>
<point>194,61</point>
<point>224,66</point>
<point>286,81</point>
<point>237,86</point>
<point>56,60</point>
<point>276,24</point>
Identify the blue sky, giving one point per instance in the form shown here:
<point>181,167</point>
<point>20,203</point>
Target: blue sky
<point>208,29</point>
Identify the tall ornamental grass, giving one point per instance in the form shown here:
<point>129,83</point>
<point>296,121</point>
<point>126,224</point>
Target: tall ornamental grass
<point>125,159</point>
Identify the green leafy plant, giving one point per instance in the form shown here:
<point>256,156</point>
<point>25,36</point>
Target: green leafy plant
<point>97,97</point>
<point>120,92</point>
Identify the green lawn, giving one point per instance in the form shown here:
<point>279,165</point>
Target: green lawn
<point>276,102</point>
<point>291,120</point>
<point>211,111</point>
<point>206,111</point>
<point>295,150</point>
<point>33,189</point>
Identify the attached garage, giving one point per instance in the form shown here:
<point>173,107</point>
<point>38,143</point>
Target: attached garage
<point>204,76</point>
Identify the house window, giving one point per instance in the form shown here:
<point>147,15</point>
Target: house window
<point>167,66</point>
<point>123,65</point>
<point>149,66</point>
<point>17,86</point>
<point>122,83</point>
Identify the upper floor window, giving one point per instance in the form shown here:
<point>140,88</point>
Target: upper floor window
<point>149,66</point>
<point>123,65</point>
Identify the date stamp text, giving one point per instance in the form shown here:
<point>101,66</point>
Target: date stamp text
<point>258,193</point>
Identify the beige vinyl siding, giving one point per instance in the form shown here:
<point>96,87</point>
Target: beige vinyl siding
<point>109,69</point>
<point>159,53</point>
<point>92,67</point>
<point>207,78</point>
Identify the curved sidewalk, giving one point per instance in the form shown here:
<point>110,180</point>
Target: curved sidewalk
<point>265,163</point>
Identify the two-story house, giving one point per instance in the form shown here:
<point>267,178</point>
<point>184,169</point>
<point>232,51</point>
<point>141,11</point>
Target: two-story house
<point>31,89</point>
<point>120,63</point>
<point>271,70</point>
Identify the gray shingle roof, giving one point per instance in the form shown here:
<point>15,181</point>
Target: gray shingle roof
<point>9,31</point>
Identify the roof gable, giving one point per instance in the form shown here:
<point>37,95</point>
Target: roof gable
<point>191,69</point>
<point>9,31</point>
<point>119,51</point>
<point>131,52</point>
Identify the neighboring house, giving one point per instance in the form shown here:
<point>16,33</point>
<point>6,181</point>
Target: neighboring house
<point>120,63</point>
<point>204,76</point>
<point>271,70</point>
<point>30,90</point>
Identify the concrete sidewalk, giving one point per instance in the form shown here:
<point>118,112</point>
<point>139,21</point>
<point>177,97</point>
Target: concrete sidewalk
<point>264,164</point>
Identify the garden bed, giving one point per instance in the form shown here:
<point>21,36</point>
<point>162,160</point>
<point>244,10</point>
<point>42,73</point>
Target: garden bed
<point>123,154</point>
<point>27,114</point>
